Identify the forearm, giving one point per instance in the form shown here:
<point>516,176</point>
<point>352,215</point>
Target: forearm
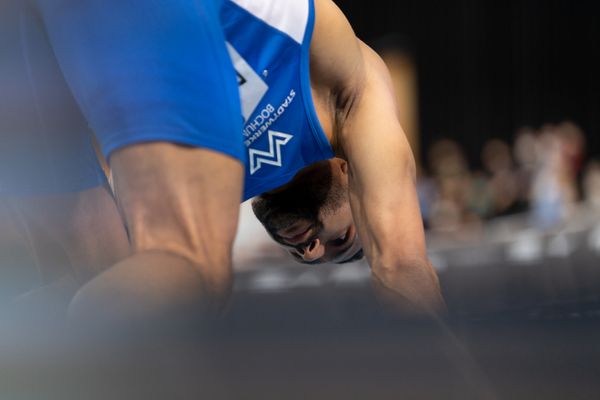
<point>408,287</point>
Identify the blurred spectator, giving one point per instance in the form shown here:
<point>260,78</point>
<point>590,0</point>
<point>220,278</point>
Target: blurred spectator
<point>546,194</point>
<point>542,179</point>
<point>503,182</point>
<point>572,145</point>
<point>591,186</point>
<point>525,155</point>
<point>450,211</point>
<point>554,190</point>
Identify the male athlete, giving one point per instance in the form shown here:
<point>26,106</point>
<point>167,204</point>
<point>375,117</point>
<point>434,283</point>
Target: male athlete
<point>311,90</point>
<point>150,78</point>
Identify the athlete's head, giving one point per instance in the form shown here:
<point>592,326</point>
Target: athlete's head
<point>311,216</point>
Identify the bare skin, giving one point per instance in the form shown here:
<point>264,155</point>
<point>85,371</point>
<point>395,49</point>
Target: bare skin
<point>181,204</point>
<point>181,207</point>
<point>69,218</point>
<point>355,102</point>
<point>65,221</point>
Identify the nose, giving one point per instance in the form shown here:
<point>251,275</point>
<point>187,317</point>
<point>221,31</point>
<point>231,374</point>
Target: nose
<point>313,251</point>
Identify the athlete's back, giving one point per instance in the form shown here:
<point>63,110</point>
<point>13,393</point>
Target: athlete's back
<point>269,42</point>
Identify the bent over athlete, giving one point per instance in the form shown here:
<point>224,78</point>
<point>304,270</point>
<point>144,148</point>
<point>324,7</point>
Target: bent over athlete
<point>149,77</point>
<point>311,90</point>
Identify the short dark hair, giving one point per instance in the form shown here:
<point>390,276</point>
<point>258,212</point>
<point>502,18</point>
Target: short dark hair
<point>313,190</point>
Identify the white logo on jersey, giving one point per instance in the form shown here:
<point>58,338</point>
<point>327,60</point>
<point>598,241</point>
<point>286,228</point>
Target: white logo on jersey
<point>252,88</point>
<point>271,157</point>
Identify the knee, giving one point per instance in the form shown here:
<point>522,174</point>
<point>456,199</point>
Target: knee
<point>154,286</point>
<point>214,269</point>
<point>217,280</point>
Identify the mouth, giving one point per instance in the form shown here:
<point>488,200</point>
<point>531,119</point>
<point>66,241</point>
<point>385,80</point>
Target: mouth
<point>352,252</point>
<point>357,256</point>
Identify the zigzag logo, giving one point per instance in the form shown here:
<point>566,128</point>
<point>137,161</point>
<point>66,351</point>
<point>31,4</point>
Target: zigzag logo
<point>271,157</point>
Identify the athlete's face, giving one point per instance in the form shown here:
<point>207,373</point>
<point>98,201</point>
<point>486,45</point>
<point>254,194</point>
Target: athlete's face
<point>333,238</point>
<point>321,229</point>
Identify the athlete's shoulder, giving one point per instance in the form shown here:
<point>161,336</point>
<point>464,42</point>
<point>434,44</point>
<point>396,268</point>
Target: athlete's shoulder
<point>335,50</point>
<point>337,60</point>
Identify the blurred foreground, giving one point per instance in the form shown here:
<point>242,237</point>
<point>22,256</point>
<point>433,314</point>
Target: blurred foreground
<point>517,249</point>
<point>523,322</point>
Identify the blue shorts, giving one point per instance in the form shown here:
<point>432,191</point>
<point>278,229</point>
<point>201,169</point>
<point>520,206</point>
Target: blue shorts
<point>129,71</point>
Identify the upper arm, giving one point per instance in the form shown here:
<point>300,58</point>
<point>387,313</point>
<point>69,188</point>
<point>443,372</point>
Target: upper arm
<point>368,135</point>
<point>382,170</point>
<point>383,197</point>
<point>382,181</point>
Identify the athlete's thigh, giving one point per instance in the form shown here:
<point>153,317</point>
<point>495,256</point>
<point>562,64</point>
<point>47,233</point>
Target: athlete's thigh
<point>180,199</point>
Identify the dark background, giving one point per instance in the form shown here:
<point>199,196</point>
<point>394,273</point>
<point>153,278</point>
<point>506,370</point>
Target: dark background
<point>487,68</point>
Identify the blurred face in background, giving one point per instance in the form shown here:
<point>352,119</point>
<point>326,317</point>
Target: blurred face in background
<point>311,216</point>
<point>591,185</point>
<point>496,156</point>
<point>525,148</point>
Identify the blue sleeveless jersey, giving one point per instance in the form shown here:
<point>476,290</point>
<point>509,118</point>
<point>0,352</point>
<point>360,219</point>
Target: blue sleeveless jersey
<point>268,41</point>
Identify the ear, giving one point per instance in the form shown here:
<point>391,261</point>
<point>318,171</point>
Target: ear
<point>344,166</point>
